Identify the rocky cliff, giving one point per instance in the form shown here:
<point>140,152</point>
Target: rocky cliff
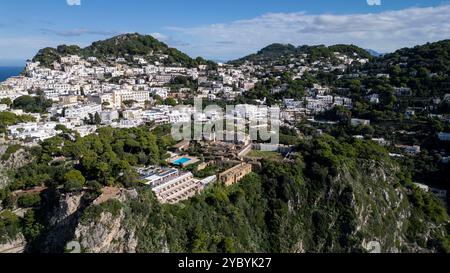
<point>16,160</point>
<point>361,208</point>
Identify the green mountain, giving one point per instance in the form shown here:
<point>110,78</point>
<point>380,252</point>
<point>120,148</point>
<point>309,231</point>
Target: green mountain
<point>338,196</point>
<point>126,46</point>
<point>424,68</point>
<point>433,56</point>
<point>374,53</point>
<point>275,52</point>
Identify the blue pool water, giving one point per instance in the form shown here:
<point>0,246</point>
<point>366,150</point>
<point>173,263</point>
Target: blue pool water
<point>181,161</point>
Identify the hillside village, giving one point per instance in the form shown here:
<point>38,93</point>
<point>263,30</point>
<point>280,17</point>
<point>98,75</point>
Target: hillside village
<point>126,91</point>
<point>72,95</point>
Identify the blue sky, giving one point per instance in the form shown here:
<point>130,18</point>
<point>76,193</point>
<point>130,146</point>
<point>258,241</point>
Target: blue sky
<point>220,29</point>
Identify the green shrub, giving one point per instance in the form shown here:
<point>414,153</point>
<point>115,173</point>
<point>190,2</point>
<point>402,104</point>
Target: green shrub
<point>10,151</point>
<point>29,201</point>
<point>93,213</point>
<point>9,226</point>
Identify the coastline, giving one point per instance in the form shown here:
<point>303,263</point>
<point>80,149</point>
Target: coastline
<point>9,71</point>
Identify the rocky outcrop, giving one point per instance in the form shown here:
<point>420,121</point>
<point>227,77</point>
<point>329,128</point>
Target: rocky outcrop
<point>68,205</point>
<point>376,208</point>
<point>16,245</point>
<point>62,220</point>
<point>360,208</point>
<point>15,161</point>
<point>108,235</point>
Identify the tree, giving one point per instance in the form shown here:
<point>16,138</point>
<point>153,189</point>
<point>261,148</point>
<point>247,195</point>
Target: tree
<point>97,119</point>
<point>74,180</point>
<point>171,102</point>
<point>129,103</point>
<point>37,104</point>
<point>62,128</point>
<point>9,225</point>
<point>31,228</point>
<point>6,101</point>
<point>29,201</point>
<point>158,100</point>
<point>91,118</point>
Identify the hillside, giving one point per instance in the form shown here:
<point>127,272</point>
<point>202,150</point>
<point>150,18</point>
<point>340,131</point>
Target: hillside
<point>374,53</point>
<point>424,68</point>
<point>323,202</point>
<point>433,56</point>
<point>125,46</point>
<point>275,52</point>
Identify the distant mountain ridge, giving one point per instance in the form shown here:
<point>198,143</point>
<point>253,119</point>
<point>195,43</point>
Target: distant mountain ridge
<point>134,44</point>
<point>375,53</point>
<point>120,46</point>
<point>277,50</point>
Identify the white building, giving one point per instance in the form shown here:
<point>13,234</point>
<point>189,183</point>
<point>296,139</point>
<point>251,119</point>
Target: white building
<point>162,92</point>
<point>82,111</point>
<point>131,114</point>
<point>109,116</point>
<point>33,130</point>
<point>158,116</point>
<point>358,122</point>
<point>177,189</point>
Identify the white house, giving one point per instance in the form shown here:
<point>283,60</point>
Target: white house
<point>109,116</point>
<point>160,91</point>
<point>358,122</point>
<point>33,130</point>
<point>82,111</point>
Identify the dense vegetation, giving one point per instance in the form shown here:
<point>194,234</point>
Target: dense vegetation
<point>280,52</point>
<point>9,226</point>
<point>106,158</point>
<point>288,207</point>
<point>125,46</point>
<point>425,68</point>
<point>62,164</point>
<point>36,104</point>
<point>311,204</point>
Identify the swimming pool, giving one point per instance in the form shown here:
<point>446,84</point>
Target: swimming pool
<point>181,161</point>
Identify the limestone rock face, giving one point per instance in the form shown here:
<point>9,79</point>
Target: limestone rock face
<point>108,235</point>
<point>68,205</point>
<point>379,205</point>
<point>62,221</point>
<point>16,245</point>
<point>360,208</point>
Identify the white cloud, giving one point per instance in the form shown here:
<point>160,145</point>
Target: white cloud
<point>159,36</point>
<point>384,32</point>
<point>74,2</point>
<point>168,40</point>
<point>374,2</point>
